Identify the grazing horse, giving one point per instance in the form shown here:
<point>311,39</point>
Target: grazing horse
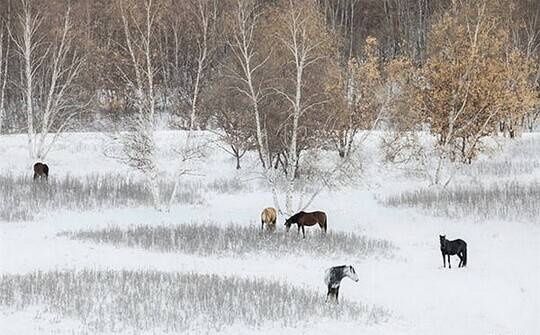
<point>41,170</point>
<point>455,247</point>
<point>269,217</point>
<point>333,277</point>
<point>307,219</point>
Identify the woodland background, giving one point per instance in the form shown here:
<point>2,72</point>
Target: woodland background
<point>284,78</point>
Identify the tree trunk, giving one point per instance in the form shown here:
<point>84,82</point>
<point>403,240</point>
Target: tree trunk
<point>238,167</point>
<point>29,76</point>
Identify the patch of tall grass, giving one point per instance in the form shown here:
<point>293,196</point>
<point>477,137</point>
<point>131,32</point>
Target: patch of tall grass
<point>508,200</point>
<point>22,198</point>
<point>139,301</point>
<point>212,239</point>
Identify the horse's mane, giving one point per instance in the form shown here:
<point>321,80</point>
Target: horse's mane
<point>296,216</point>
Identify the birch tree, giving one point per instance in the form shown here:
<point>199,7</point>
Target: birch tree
<point>4,61</point>
<point>49,70</point>
<point>205,12</point>
<point>357,98</point>
<point>288,112</point>
<point>139,147</point>
<point>303,35</point>
<point>249,65</point>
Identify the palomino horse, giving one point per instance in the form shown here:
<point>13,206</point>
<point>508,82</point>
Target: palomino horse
<point>41,170</point>
<point>307,219</point>
<point>269,217</point>
<point>333,277</point>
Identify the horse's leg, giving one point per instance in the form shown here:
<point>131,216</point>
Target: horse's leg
<point>443,260</point>
<point>449,266</point>
<point>262,225</point>
<point>327,295</point>
<point>303,231</point>
<point>331,294</point>
<point>322,228</point>
<point>461,259</point>
<point>337,294</point>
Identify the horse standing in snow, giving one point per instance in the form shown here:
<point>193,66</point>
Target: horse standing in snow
<point>269,217</point>
<point>456,247</point>
<point>41,170</point>
<point>333,277</point>
<point>307,219</point>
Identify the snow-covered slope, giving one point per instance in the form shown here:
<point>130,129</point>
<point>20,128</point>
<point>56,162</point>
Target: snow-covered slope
<point>497,293</point>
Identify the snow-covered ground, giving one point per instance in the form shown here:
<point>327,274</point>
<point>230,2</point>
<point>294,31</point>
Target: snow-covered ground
<point>497,293</point>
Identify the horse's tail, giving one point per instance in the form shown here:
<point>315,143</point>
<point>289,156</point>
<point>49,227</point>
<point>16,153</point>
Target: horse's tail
<point>465,256</point>
<point>269,216</point>
<point>325,224</point>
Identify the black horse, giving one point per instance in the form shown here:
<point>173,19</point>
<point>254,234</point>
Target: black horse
<point>333,277</point>
<point>41,170</point>
<point>307,219</point>
<point>455,247</point>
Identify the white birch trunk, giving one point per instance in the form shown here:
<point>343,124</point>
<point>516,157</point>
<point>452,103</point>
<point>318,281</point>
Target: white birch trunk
<point>4,56</point>
<point>29,28</point>
<point>187,154</point>
<point>141,149</point>
<point>53,66</point>
<point>244,51</point>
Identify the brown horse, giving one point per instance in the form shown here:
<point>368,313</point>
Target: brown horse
<point>41,171</point>
<point>269,216</point>
<point>307,219</point>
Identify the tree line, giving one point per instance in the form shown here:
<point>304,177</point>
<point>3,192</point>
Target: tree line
<point>280,77</point>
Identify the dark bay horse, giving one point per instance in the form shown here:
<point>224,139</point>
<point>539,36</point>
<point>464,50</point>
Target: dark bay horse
<point>307,219</point>
<point>41,170</point>
<point>456,247</point>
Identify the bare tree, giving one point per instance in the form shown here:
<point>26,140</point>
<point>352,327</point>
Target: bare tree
<point>304,37</point>
<point>230,112</point>
<point>233,133</point>
<point>249,62</point>
<point>357,98</point>
<point>206,14</point>
<point>300,40</point>
<point>4,61</point>
<point>139,147</point>
<point>49,71</point>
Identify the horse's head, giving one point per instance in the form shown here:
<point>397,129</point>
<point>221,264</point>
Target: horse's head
<point>288,223</point>
<point>442,239</point>
<point>291,220</point>
<point>349,272</point>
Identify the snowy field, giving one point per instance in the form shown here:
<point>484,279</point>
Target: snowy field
<point>87,254</point>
